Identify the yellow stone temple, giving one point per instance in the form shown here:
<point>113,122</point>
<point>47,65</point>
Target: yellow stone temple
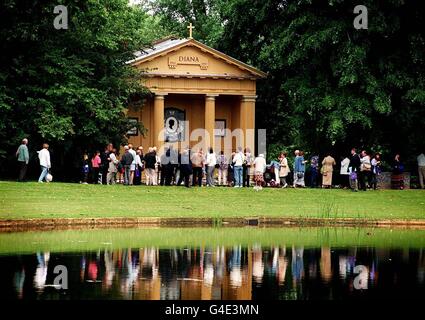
<point>195,87</point>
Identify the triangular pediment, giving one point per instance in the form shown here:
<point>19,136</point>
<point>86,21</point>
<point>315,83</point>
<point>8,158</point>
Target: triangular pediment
<point>191,58</point>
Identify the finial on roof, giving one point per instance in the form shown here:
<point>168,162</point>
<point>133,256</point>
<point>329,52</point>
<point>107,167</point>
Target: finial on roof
<point>190,27</point>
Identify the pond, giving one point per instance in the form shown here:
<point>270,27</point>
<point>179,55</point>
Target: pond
<point>214,263</point>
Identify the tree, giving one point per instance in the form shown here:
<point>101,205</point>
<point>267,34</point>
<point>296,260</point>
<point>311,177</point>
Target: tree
<point>330,85</point>
<point>69,87</point>
<point>175,15</point>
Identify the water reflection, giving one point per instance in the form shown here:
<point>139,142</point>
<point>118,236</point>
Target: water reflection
<point>256,272</point>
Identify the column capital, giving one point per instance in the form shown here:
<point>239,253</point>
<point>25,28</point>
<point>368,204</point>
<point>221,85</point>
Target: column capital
<point>249,98</point>
<point>160,95</point>
<point>211,96</point>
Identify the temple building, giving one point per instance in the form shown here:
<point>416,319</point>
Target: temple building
<point>200,96</point>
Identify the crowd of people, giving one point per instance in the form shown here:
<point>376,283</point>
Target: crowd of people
<point>358,171</point>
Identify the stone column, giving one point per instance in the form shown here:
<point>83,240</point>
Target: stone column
<point>210,119</point>
<point>247,121</point>
<point>158,119</point>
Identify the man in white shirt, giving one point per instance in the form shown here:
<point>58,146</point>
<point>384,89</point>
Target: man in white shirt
<point>211,161</point>
<point>238,160</point>
<point>344,173</point>
<point>133,164</point>
<point>44,157</point>
<point>421,169</point>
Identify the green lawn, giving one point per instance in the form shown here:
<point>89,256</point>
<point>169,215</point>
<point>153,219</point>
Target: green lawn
<point>65,200</point>
<point>88,240</point>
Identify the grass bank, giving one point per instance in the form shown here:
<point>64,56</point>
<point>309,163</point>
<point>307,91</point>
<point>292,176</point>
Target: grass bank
<point>64,200</point>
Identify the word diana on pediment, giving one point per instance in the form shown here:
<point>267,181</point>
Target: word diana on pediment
<point>179,59</point>
<point>188,59</point>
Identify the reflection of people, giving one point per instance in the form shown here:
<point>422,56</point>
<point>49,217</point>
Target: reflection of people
<point>297,263</point>
<point>282,266</point>
<point>18,281</point>
<point>41,271</point>
<point>109,269</point>
<point>325,264</point>
<point>257,264</point>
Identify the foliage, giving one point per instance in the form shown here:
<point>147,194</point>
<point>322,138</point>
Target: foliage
<point>331,86</point>
<point>68,87</point>
<point>175,15</point>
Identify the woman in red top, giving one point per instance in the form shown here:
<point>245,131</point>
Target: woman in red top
<point>95,165</point>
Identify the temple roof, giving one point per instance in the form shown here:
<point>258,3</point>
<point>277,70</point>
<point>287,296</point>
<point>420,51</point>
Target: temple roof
<point>170,44</point>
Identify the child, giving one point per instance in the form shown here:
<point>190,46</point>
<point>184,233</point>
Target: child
<point>95,164</point>
<point>85,168</point>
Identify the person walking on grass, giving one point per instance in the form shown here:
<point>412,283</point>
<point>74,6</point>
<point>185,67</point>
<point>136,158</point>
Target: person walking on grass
<point>344,175</point>
<point>185,168</point>
<point>397,177</point>
<point>365,170</point>
<point>421,169</point>
<point>44,157</point>
<point>23,158</point>
<point>85,169</point>
<point>247,167</point>
<point>327,169</point>
<point>126,161</point>
<point>238,161</point>
<point>314,170</point>
<point>139,168</point>
<point>296,153</point>
<point>95,164</point>
<point>222,169</point>
<point>299,170</point>
<point>376,170</point>
<point>112,167</point>
<point>197,164</point>
<point>133,163</point>
<point>354,169</point>
<point>150,161</point>
<point>104,167</point>
<point>211,161</point>
<point>283,169</point>
<point>259,169</point>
